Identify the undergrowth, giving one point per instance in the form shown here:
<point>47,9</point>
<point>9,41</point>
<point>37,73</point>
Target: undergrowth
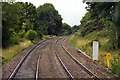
<point>10,52</point>
<point>85,44</point>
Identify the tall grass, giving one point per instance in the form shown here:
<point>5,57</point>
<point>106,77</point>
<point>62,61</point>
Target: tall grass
<point>85,44</point>
<point>10,52</point>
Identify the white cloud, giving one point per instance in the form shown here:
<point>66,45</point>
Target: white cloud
<point>71,11</point>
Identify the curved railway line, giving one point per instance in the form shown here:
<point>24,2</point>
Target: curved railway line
<point>15,71</point>
<point>93,66</point>
<point>53,58</point>
<point>93,76</point>
<point>38,63</point>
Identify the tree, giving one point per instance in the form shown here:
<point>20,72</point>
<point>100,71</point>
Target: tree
<point>49,19</point>
<point>9,23</point>
<point>109,11</point>
<point>75,28</point>
<point>66,29</point>
<point>31,35</point>
<point>17,19</point>
<point>117,22</point>
<point>101,9</point>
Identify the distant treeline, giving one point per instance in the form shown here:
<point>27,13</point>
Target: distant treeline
<point>24,21</point>
<point>103,16</point>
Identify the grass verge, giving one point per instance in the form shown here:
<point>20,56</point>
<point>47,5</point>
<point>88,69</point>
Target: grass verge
<point>85,44</point>
<point>10,52</point>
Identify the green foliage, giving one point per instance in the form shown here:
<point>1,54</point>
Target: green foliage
<point>117,23</point>
<point>91,26</point>
<point>66,29</point>
<point>75,28</point>
<point>110,12</point>
<point>117,13</point>
<point>107,15</point>
<point>22,34</point>
<point>27,25</point>
<point>12,51</point>
<point>17,19</point>
<point>99,10</point>
<point>15,39</point>
<point>86,18</point>
<point>85,44</point>
<point>115,66</point>
<point>9,22</point>
<point>111,34</point>
<point>31,35</point>
<point>49,19</point>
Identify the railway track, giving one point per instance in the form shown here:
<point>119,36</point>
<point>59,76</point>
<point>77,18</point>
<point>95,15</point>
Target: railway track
<point>49,65</point>
<point>65,68</point>
<point>15,71</point>
<point>82,66</point>
<point>38,63</point>
<point>55,60</point>
<point>94,67</point>
<point>103,72</point>
<point>70,74</point>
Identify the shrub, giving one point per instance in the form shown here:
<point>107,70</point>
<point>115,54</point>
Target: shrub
<point>115,67</point>
<point>22,34</point>
<point>31,35</point>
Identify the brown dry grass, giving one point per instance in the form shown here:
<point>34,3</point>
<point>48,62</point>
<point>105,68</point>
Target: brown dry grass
<point>12,51</point>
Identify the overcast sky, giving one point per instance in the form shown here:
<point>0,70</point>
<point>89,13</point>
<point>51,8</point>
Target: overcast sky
<point>71,11</point>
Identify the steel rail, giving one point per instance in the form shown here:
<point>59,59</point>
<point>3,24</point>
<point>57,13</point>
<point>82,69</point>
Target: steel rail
<point>38,63</point>
<point>94,62</point>
<point>65,68</point>
<point>83,53</point>
<point>37,69</point>
<point>81,65</point>
<point>60,60</point>
<point>21,62</point>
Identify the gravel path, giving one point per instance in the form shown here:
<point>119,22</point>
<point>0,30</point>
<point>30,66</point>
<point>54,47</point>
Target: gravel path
<point>50,66</point>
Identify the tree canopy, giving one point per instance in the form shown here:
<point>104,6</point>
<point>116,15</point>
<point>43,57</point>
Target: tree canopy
<point>24,21</point>
<point>49,19</point>
<point>104,15</point>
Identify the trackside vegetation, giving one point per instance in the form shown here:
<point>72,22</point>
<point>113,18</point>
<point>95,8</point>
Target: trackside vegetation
<point>101,23</point>
<point>85,44</point>
<point>23,22</point>
<point>12,51</point>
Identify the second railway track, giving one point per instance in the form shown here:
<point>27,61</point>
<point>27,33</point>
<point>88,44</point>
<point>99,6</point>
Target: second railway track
<point>93,66</point>
<point>72,66</point>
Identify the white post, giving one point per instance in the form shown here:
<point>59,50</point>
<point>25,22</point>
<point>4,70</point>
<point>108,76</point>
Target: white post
<point>95,50</point>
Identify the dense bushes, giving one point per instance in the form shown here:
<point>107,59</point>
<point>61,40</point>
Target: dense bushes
<point>24,21</point>
<point>17,19</point>
<point>91,26</point>
<point>115,67</point>
<point>31,35</point>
